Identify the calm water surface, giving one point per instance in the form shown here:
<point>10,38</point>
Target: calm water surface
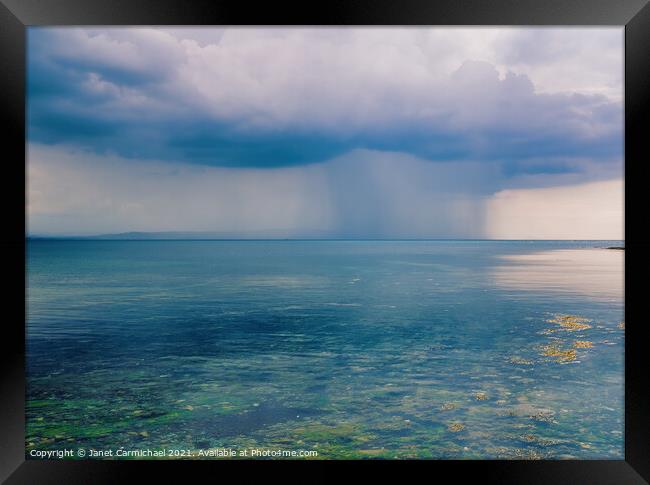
<point>431,349</point>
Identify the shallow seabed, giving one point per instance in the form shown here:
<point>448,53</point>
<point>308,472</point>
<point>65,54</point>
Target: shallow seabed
<point>378,349</point>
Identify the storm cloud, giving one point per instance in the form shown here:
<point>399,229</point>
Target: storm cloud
<point>274,97</point>
<point>341,132</point>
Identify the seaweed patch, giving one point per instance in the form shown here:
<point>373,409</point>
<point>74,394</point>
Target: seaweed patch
<point>583,344</point>
<point>571,322</point>
<point>560,355</point>
<point>456,427</point>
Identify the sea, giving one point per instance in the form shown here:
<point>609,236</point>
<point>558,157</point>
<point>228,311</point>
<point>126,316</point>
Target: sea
<point>327,349</point>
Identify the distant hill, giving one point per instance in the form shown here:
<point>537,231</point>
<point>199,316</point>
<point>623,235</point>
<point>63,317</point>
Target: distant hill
<point>161,235</point>
<point>177,235</point>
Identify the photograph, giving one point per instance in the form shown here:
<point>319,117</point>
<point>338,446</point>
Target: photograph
<point>325,242</point>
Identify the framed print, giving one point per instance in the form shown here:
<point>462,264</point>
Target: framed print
<point>353,233</point>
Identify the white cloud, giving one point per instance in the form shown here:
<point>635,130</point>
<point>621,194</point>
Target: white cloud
<point>323,78</point>
<point>586,60</point>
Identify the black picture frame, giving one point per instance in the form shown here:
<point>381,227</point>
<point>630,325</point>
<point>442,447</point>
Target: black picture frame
<point>16,15</point>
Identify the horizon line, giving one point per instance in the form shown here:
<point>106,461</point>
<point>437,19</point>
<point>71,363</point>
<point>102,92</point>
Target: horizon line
<point>110,238</point>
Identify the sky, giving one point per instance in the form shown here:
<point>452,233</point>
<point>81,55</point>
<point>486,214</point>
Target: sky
<point>504,133</point>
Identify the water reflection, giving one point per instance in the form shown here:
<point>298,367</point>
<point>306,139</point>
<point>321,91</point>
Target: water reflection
<point>595,273</point>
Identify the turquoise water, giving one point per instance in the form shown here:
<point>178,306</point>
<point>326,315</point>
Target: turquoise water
<point>379,349</point>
